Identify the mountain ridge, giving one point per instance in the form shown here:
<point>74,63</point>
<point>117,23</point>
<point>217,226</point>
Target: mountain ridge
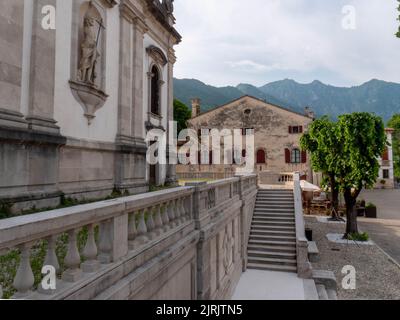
<point>377,96</point>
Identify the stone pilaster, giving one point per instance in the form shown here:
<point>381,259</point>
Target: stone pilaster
<point>171,167</point>
<point>42,71</point>
<point>11,57</point>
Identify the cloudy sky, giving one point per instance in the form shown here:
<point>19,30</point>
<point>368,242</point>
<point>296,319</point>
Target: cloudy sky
<point>340,42</point>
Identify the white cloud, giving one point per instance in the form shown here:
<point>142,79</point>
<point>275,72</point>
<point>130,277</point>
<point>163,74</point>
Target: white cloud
<point>257,41</point>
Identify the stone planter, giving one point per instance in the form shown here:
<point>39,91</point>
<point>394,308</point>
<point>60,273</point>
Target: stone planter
<point>370,212</point>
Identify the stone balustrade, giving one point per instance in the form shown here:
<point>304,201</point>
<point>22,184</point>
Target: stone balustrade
<point>304,268</point>
<point>181,243</point>
<point>276,178</point>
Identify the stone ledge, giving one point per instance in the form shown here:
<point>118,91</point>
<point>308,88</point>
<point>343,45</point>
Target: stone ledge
<point>24,136</point>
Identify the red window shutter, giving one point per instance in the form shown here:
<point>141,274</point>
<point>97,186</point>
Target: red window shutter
<point>385,156</point>
<point>290,129</point>
<point>301,129</point>
<point>287,155</point>
<point>304,157</point>
<point>260,156</point>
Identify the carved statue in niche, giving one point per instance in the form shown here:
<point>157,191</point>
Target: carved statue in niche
<point>89,53</point>
<point>169,5</point>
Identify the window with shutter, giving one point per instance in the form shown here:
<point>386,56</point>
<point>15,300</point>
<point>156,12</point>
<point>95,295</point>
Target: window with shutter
<point>287,155</point>
<point>290,129</point>
<point>260,156</point>
<point>303,157</point>
<point>385,156</point>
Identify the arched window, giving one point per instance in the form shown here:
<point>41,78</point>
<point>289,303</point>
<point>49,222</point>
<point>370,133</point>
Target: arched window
<point>261,156</point>
<point>155,91</point>
<point>295,156</point>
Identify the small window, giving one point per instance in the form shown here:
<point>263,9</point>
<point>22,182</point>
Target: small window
<point>295,129</point>
<point>295,156</point>
<point>247,111</point>
<point>385,174</point>
<point>260,156</point>
<point>155,91</point>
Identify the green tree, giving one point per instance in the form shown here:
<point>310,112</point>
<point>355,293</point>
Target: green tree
<point>322,143</point>
<point>395,124</point>
<point>181,114</point>
<point>398,32</point>
<point>362,141</point>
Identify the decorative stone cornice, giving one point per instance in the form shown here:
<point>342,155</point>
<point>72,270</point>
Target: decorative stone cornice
<point>157,54</point>
<point>110,3</point>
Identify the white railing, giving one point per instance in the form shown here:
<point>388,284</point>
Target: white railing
<point>275,178</point>
<point>304,269</point>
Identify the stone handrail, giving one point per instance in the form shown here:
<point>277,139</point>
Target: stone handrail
<point>129,240</point>
<point>304,269</point>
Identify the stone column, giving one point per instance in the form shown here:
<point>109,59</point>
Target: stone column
<point>11,57</point>
<point>171,168</point>
<point>42,71</point>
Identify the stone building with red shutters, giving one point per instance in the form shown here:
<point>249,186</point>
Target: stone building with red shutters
<point>277,132</point>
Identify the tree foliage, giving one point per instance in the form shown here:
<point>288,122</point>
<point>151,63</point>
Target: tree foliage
<point>181,114</point>
<point>395,124</point>
<point>348,152</point>
<point>362,141</point>
<point>321,141</point>
<point>398,32</point>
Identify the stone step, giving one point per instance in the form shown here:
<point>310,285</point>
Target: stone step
<point>269,210</point>
<point>275,191</point>
<point>273,228</point>
<point>270,215</point>
<point>267,218</point>
<point>263,206</point>
<point>272,198</point>
<point>272,232</point>
<point>257,222</point>
<point>258,266</point>
<point>271,243</point>
<point>272,254</point>
<point>272,261</point>
<point>273,238</point>
<point>272,248</point>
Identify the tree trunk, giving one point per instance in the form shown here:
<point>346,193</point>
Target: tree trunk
<point>351,213</point>
<point>334,197</point>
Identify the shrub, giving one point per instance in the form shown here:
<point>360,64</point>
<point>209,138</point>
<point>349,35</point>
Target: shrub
<point>370,205</point>
<point>359,237</point>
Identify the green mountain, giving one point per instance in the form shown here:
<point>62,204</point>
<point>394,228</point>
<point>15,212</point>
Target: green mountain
<point>380,97</point>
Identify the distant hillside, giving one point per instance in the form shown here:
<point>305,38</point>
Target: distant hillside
<point>380,97</point>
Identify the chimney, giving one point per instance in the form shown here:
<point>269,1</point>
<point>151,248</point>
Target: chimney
<point>309,113</point>
<point>196,109</point>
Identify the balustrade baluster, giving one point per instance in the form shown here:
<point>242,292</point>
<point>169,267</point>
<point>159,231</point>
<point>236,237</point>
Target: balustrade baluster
<point>24,279</point>
<point>182,210</point>
<point>171,214</point>
<point>90,252</point>
<point>105,245</point>
<point>142,229</point>
<point>132,231</point>
<point>151,224</point>
<point>50,260</point>
<point>51,256</point>
<point>177,213</point>
<point>165,217</point>
<point>72,259</point>
<point>158,221</point>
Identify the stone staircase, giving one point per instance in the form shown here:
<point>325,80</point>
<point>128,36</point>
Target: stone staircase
<point>272,242</point>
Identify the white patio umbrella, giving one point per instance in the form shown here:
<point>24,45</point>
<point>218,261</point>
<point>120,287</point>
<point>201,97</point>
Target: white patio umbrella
<point>307,186</point>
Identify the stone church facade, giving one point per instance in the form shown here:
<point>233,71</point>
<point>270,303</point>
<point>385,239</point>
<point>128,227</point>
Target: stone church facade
<point>277,133</point>
<point>77,98</point>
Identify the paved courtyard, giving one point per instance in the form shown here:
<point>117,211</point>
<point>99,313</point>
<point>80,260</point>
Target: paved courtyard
<point>385,230</point>
<point>272,285</point>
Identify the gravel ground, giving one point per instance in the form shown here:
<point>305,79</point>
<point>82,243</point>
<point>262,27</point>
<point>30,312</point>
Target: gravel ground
<point>376,275</point>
